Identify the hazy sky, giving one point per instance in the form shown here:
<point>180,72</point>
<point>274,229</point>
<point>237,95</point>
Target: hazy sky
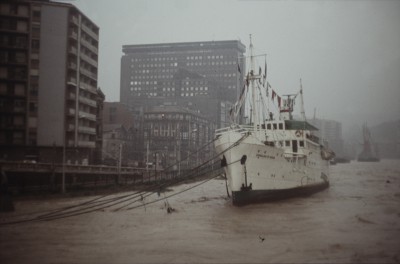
<point>346,52</point>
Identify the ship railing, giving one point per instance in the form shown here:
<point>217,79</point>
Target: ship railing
<point>313,138</point>
<point>234,128</point>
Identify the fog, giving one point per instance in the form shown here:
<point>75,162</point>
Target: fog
<point>346,52</point>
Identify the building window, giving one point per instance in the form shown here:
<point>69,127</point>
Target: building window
<point>33,107</point>
<point>18,138</point>
<point>35,45</point>
<point>35,32</point>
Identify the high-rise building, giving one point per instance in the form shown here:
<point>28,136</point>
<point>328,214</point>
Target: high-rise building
<point>48,81</point>
<point>330,132</point>
<point>198,75</point>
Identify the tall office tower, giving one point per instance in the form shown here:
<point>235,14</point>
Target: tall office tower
<point>199,75</point>
<point>330,132</point>
<point>48,82</point>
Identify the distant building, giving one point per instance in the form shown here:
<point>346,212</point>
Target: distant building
<point>173,134</point>
<point>121,130</point>
<point>48,82</point>
<point>330,132</point>
<point>385,139</point>
<point>197,75</point>
<point>117,113</point>
<point>115,142</point>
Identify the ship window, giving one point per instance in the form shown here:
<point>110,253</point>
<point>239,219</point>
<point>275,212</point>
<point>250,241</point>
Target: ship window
<point>268,126</point>
<point>281,126</point>
<point>269,143</point>
<point>301,143</point>
<point>287,143</point>
<point>275,126</point>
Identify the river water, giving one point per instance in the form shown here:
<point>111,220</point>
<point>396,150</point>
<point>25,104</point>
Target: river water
<point>356,220</point>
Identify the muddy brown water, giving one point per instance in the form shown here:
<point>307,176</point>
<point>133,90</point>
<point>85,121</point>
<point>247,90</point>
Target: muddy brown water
<point>356,220</point>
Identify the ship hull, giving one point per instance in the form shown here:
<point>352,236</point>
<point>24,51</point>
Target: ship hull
<point>245,197</point>
<point>260,173</point>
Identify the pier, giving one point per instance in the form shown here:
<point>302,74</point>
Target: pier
<point>33,177</point>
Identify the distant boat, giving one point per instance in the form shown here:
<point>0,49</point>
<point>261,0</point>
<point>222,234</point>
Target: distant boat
<point>270,158</point>
<point>341,160</point>
<point>368,154</point>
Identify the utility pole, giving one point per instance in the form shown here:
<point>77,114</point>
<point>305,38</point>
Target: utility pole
<point>119,162</point>
<point>179,159</point>
<point>155,166</point>
<point>147,158</point>
<point>63,168</point>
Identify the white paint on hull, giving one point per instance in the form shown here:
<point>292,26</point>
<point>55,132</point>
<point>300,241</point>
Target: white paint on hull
<point>268,167</point>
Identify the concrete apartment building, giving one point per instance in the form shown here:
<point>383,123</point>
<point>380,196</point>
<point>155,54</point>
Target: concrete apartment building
<point>197,75</point>
<point>48,83</point>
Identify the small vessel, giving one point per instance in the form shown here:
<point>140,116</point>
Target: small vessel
<point>368,154</point>
<point>341,160</point>
<point>270,158</point>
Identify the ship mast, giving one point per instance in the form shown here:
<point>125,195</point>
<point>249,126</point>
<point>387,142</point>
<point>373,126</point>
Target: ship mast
<point>303,114</point>
<point>254,116</point>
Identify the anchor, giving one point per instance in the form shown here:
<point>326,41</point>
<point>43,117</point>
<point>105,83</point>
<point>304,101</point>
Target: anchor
<point>245,187</point>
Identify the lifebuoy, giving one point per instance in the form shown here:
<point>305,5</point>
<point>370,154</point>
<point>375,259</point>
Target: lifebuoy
<point>298,133</point>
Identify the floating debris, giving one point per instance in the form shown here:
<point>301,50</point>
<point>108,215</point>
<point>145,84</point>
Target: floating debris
<point>359,218</point>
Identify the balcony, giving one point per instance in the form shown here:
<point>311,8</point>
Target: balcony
<point>87,130</point>
<point>88,144</point>
<point>90,46</point>
<point>71,96</point>
<point>87,101</point>
<point>73,35</point>
<point>90,32</point>
<point>87,116</point>
<point>89,59</point>
<point>73,50</point>
<point>89,74</point>
<point>71,81</point>
<point>71,111</point>
<point>72,66</point>
<point>88,87</point>
<point>74,20</point>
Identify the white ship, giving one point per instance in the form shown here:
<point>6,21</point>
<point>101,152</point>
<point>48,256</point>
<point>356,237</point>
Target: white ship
<point>270,158</point>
